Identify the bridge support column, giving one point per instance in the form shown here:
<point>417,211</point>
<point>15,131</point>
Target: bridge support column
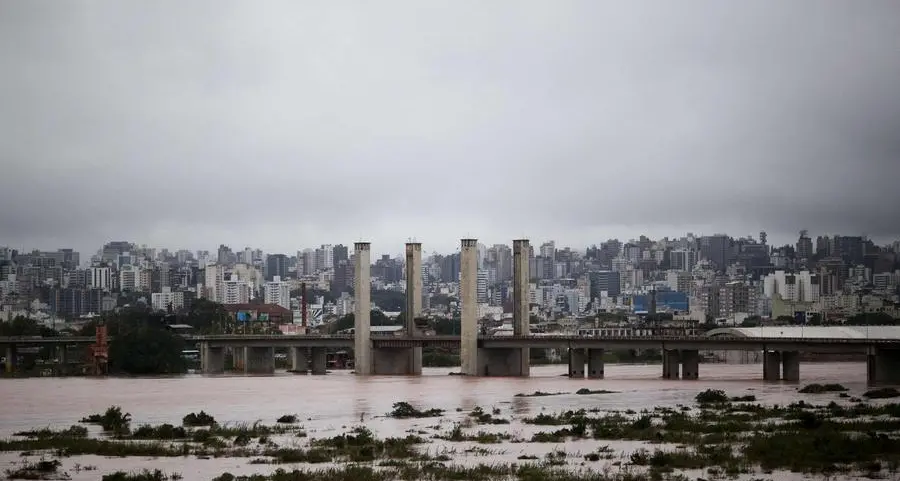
<point>690,364</point>
<point>468,298</point>
<point>259,360</point>
<point>299,360</point>
<point>595,363</point>
<point>320,360</point>
<point>670,363</point>
<point>883,366</point>
<point>391,361</point>
<point>501,362</point>
<point>10,359</point>
<point>771,365</point>
<point>576,363</point>
<point>791,365</point>
<point>62,359</point>
<point>212,359</point>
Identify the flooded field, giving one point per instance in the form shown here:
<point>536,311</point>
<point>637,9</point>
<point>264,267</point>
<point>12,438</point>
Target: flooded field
<point>332,405</point>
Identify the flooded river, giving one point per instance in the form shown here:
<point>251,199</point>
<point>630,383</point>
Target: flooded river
<point>329,405</point>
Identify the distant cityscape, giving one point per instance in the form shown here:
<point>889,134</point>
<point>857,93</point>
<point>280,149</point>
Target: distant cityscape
<point>716,278</point>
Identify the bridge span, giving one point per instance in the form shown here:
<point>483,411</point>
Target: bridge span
<point>500,355</point>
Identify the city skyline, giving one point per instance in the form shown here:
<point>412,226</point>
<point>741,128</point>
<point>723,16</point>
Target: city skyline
<point>427,251</point>
<point>221,123</point>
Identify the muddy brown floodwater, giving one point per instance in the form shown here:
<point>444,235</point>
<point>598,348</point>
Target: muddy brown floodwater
<point>331,404</point>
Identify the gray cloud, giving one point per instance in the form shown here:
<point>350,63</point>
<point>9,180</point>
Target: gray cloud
<point>285,125</point>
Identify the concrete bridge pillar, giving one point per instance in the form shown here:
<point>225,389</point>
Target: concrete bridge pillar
<point>10,359</point>
<point>299,360</point>
<point>392,361</point>
<point>62,359</point>
<point>320,361</point>
<point>595,363</point>
<point>670,363</point>
<point>883,366</point>
<point>468,298</point>
<point>212,359</point>
<point>771,365</point>
<point>501,362</point>
<point>362,289</point>
<point>576,363</point>
<point>690,364</point>
<point>259,360</point>
<point>791,365</point>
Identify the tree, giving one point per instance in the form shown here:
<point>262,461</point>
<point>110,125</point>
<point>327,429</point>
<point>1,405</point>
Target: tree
<point>147,350</point>
<point>389,300</point>
<point>207,317</point>
<point>23,326</point>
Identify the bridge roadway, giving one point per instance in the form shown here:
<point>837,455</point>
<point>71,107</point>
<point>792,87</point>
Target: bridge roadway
<point>718,343</point>
<point>680,353</point>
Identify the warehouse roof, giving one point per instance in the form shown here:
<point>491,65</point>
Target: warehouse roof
<point>820,332</point>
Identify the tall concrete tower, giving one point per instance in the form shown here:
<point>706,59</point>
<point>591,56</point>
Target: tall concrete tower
<point>413,285</point>
<point>521,295</point>
<point>362,342</point>
<point>468,297</point>
<point>413,301</point>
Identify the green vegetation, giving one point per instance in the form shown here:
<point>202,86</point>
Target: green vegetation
<point>198,419</point>
<point>145,475</point>
<point>147,350</point>
<point>405,410</point>
<point>822,388</point>
<point>585,391</point>
<point>541,394</point>
<point>882,393</point>
<point>42,469</point>
<point>113,421</point>
<point>711,396</point>
<point>482,417</point>
<point>161,432</point>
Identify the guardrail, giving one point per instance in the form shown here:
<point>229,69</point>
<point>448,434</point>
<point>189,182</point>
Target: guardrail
<point>441,338</point>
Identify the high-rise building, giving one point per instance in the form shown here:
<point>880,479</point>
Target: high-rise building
<point>278,292</point>
<point>608,281</point>
<point>804,246</point>
<point>236,291</point>
<point>276,265</point>
<point>214,282</point>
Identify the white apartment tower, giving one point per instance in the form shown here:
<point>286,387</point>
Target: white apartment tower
<point>278,292</point>
<point>214,282</point>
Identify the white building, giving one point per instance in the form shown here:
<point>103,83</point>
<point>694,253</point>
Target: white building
<point>214,282</point>
<point>236,291</point>
<point>278,292</point>
<point>797,287</point>
<point>100,278</point>
<point>162,300</point>
<point>679,281</point>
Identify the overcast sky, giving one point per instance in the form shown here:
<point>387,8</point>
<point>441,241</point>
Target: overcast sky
<point>283,125</point>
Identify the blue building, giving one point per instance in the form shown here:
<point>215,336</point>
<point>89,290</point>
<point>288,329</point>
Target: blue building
<point>665,301</point>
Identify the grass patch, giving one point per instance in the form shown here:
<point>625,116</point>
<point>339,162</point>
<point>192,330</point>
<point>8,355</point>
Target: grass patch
<point>482,417</point>
<point>585,391</point>
<point>882,393</point>
<point>198,419</point>
<point>816,388</point>
<point>541,394</point>
<point>145,475</point>
<point>405,410</point>
<point>113,421</point>
<point>42,469</point>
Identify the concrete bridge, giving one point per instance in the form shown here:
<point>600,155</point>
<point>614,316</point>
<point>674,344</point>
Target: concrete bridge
<point>499,355</point>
